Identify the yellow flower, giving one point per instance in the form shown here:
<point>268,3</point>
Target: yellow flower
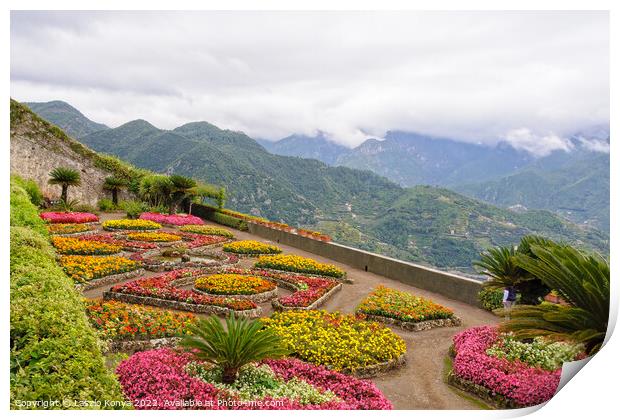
<point>153,237</point>
<point>130,224</point>
<point>298,264</point>
<point>251,247</point>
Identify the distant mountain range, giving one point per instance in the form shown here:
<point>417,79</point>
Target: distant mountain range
<point>358,207</point>
<point>72,121</point>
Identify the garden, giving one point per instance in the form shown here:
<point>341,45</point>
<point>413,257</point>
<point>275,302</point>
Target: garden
<point>204,317</point>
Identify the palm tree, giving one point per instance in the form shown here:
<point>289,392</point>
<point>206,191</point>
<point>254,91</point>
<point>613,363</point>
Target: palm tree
<point>582,281</point>
<point>155,189</point>
<point>182,188</point>
<point>114,185</point>
<point>242,342</point>
<point>65,177</point>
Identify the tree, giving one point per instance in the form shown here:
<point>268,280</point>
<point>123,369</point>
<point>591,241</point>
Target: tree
<point>65,177</point>
<point>114,185</point>
<point>582,281</point>
<point>242,342</point>
<point>155,189</point>
<point>182,188</point>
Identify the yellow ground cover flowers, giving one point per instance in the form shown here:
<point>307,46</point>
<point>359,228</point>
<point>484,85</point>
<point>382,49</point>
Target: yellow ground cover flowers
<point>130,224</point>
<point>153,237</point>
<point>75,246</point>
<point>233,284</point>
<point>66,228</point>
<point>85,268</point>
<point>251,247</point>
<point>298,264</point>
<point>341,342</point>
<point>207,230</point>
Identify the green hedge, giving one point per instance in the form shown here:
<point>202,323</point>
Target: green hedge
<point>55,355</point>
<point>211,213</point>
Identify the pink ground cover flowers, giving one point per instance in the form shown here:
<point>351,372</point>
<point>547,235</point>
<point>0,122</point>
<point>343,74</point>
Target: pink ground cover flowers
<point>68,217</point>
<point>514,380</point>
<point>196,240</point>
<point>156,379</point>
<point>172,219</point>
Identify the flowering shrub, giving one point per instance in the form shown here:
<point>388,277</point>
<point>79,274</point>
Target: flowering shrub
<point>170,381</point>
<point>68,217</point>
<point>121,321</point>
<point>172,219</point>
<point>130,224</point>
<point>153,237</point>
<point>298,264</point>
<point>541,353</point>
<point>403,306</point>
<point>196,240</point>
<point>233,284</point>
<point>85,268</point>
<point>514,380</point>
<point>75,246</point>
<point>207,230</point>
<point>251,247</point>
<point>162,287</point>
<point>343,342</point>
<point>68,228</point>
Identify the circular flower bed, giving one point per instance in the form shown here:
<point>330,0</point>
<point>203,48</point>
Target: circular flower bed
<point>298,264</point>
<point>68,228</point>
<point>233,284</point>
<point>85,268</point>
<point>168,379</point>
<point>207,230</point>
<point>196,240</point>
<point>342,342</point>
<point>251,247</point>
<point>130,224</point>
<point>116,239</point>
<point>78,246</point>
<point>121,321</point>
<point>69,217</point>
<point>172,219</point>
<point>153,237</point>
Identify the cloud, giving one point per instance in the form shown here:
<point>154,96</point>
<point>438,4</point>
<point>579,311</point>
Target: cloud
<point>473,76</point>
<point>537,144</point>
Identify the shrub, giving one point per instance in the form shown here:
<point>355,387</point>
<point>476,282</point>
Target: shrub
<point>85,208</point>
<point>226,220</point>
<point>31,187</point>
<point>133,208</point>
<point>105,204</point>
<point>54,351</point>
<point>491,298</point>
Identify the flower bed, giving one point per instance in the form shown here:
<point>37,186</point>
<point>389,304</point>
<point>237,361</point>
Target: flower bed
<point>233,284</point>
<point>153,237</point>
<point>196,240</point>
<point>69,228</point>
<point>130,224</point>
<point>344,342</point>
<point>405,310</point>
<point>199,258</point>
<point>115,239</point>
<point>164,291</point>
<point>298,264</point>
<point>69,217</point>
<point>123,322</point>
<point>83,269</point>
<point>172,219</point>
<point>74,246</point>
<point>503,382</point>
<point>207,230</point>
<point>177,381</point>
<point>251,248</point>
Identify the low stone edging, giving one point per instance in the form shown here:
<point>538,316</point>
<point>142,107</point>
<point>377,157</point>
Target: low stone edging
<point>181,306</point>
<point>453,321</point>
<point>113,278</point>
<point>344,279</point>
<point>379,368</point>
<point>314,305</point>
<point>75,234</point>
<point>116,346</point>
<point>256,298</point>
<point>485,394</point>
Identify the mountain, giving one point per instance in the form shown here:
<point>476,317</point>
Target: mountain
<point>318,147</point>
<point>359,208</point>
<point>73,122</point>
<point>575,185</point>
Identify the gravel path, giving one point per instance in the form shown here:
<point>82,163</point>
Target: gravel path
<point>419,384</point>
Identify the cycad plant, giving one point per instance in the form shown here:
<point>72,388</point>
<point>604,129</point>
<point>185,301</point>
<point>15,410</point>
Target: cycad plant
<point>65,177</point>
<point>581,280</point>
<point>242,341</point>
<point>114,185</point>
<point>182,188</point>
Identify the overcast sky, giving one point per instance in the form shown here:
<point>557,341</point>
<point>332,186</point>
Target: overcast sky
<point>530,78</point>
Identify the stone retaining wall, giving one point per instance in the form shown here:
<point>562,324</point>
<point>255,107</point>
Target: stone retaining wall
<point>130,346</point>
<point>379,368</point>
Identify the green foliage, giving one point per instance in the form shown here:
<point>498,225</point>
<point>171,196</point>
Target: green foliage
<point>224,219</point>
<point>580,279</point>
<point>540,353</point>
<point>242,342</point>
<point>65,177</point>
<point>105,204</point>
<point>31,187</point>
<point>491,298</point>
<point>115,185</point>
<point>54,352</point>
<point>133,208</point>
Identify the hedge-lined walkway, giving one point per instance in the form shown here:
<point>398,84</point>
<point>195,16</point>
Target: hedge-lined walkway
<point>418,385</point>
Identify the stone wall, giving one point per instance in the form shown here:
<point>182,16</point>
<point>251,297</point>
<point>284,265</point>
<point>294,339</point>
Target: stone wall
<point>34,156</point>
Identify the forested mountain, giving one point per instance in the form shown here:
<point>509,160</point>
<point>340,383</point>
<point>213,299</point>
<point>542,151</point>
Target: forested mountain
<point>317,147</point>
<point>360,208</point>
<point>72,121</point>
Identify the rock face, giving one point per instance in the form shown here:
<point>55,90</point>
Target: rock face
<point>36,150</point>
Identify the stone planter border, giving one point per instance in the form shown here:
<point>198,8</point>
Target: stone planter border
<point>453,321</point>
<point>314,305</point>
<point>378,369</point>
<point>256,298</point>
<point>124,346</point>
<point>181,306</point>
<point>69,235</point>
<point>483,393</point>
<point>113,278</point>
<point>219,259</point>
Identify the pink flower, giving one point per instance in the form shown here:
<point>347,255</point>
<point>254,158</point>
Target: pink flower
<point>68,217</point>
<point>172,219</point>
